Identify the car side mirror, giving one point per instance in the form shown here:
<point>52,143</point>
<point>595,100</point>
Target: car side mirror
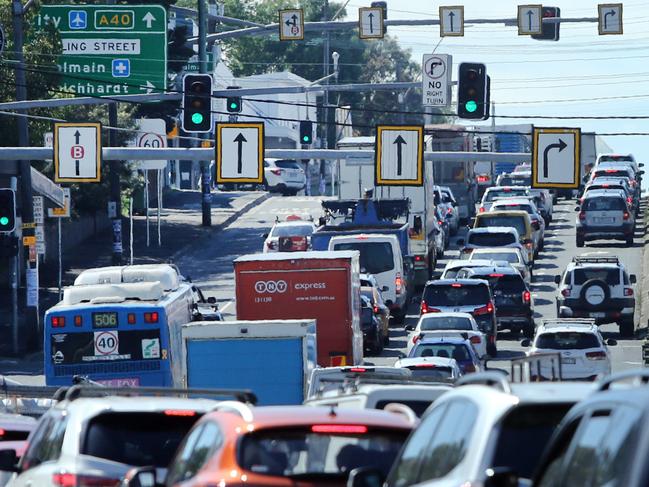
<point>365,477</point>
<point>460,241</point>
<point>641,164</point>
<point>384,289</point>
<point>211,300</point>
<point>577,208</point>
<point>536,226</point>
<point>142,477</point>
<point>409,327</point>
<point>501,477</point>
<point>9,461</point>
<point>557,279</point>
<point>640,173</point>
<point>633,278</point>
<point>611,342</point>
<point>526,342</point>
<point>264,235</point>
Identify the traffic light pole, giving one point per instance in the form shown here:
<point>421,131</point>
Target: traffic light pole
<point>115,203</point>
<point>206,196</point>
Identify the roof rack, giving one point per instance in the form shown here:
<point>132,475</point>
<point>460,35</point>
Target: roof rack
<point>583,259</point>
<point>641,376</point>
<point>531,366</point>
<point>240,408</point>
<point>351,384</point>
<point>78,391</point>
<point>489,378</point>
<point>556,322</point>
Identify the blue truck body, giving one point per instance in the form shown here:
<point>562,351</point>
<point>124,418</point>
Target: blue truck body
<point>508,142</point>
<point>352,217</point>
<point>274,359</point>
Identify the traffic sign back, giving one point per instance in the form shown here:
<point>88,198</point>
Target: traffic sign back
<point>77,152</point>
<point>240,152</point>
<point>399,155</point>
<point>555,157</point>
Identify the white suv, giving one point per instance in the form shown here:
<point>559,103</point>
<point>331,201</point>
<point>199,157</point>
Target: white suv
<point>584,354</point>
<point>284,176</point>
<point>596,285</point>
<point>96,440</point>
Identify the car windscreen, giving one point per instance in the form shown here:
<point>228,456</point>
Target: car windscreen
<point>494,239</point>
<point>604,204</point>
<point>531,426</point>
<point>136,438</point>
<point>434,372</point>
<point>615,158</point>
<point>320,451</point>
<point>287,164</point>
<point>566,340</point>
<point>432,322</point>
<point>620,173</point>
<point>517,222</point>
<point>511,257</point>
<point>419,406</point>
<point>455,351</point>
<point>513,207</point>
<point>458,295</point>
<point>610,276</point>
<point>376,257</point>
<point>292,231</point>
<point>504,193</point>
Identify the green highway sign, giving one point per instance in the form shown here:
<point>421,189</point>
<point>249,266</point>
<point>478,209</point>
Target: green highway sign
<point>193,65</point>
<point>110,49</point>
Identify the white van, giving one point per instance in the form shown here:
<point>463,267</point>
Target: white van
<point>380,256</point>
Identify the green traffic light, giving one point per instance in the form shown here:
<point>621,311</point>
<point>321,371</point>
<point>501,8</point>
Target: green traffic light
<point>233,106</point>
<point>305,138</point>
<point>197,118</point>
<point>471,106</point>
<point>4,221</point>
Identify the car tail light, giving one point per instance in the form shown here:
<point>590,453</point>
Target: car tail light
<point>425,309</point>
<point>58,321</point>
<point>440,222</point>
<point>628,291</point>
<point>475,339</point>
<point>483,179</point>
<point>358,369</point>
<point>73,480</point>
<point>629,199</point>
<point>416,338</point>
<point>496,275</point>
<point>566,292</point>
<point>528,244</point>
<point>376,309</point>
<point>455,284</point>
<point>507,190</point>
<point>482,209</point>
<point>339,428</point>
<point>180,412</point>
<point>596,355</point>
<point>527,297</point>
<point>489,308</point>
<point>626,215</point>
<point>276,172</point>
<point>582,215</point>
<point>469,368</point>
<point>449,210</point>
<point>398,283</point>
<point>78,321</point>
<point>131,318</point>
<point>419,258</point>
<point>610,171</point>
<point>152,317</point>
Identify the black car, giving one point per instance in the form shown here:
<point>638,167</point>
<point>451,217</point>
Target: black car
<point>371,327</point>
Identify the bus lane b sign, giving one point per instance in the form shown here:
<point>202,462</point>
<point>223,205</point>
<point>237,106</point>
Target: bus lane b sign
<point>106,343</point>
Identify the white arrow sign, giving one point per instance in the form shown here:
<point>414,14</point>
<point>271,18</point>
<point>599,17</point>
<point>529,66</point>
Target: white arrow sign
<point>77,152</point>
<point>240,153</point>
<point>149,19</point>
<point>451,21</point>
<point>529,19</point>
<point>291,25</point>
<point>610,18</point>
<point>555,157</point>
<point>399,155</point>
<point>435,79</point>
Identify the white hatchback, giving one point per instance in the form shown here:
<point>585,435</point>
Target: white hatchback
<point>457,325</point>
<point>289,236</point>
<point>584,353</point>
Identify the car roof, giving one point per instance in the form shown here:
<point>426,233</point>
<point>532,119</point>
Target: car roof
<point>509,187</point>
<point>464,282</point>
<point>431,339</point>
<point>508,270</point>
<point>503,213</point>
<point>439,361</point>
<point>446,314</point>
<point>517,200</point>
<point>91,406</point>
<point>603,193</point>
<point>492,250</point>
<point>575,328</point>
<point>466,263</point>
<point>493,229</point>
<point>293,223</point>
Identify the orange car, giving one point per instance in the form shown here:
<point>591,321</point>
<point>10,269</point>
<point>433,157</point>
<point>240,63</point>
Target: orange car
<point>281,446</point>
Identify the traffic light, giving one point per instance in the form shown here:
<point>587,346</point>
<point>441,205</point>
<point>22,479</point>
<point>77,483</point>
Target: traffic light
<point>550,32</point>
<point>306,132</point>
<point>384,7</point>
<point>7,210</point>
<point>233,103</point>
<point>473,91</point>
<point>197,103</point>
<point>8,246</point>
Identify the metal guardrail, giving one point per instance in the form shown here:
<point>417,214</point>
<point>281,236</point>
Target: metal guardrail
<point>536,368</point>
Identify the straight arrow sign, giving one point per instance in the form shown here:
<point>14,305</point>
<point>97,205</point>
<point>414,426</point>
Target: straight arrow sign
<point>451,15</point>
<point>400,142</point>
<point>399,155</point>
<point>371,17</point>
<point>529,20</point>
<point>240,139</point>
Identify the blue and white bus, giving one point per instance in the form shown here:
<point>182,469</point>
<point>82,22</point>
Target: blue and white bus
<point>114,326</point>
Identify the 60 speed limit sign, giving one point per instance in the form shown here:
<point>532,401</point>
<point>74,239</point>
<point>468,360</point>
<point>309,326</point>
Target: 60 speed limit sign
<point>152,135</point>
<point>106,343</point>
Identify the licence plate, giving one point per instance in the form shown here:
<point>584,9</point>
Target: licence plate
<point>597,314</point>
<point>568,361</point>
<point>603,220</point>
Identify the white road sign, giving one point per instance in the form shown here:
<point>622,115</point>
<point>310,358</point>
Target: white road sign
<point>610,18</point>
<point>370,23</point>
<point>435,79</point>
<point>39,219</point>
<point>152,134</point>
<point>240,152</point>
<point>399,155</point>
<point>291,25</point>
<point>529,20</point>
<point>555,157</point>
<point>77,152</point>
<point>451,21</point>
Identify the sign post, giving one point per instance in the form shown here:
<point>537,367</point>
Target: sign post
<point>556,157</point>
<point>435,79</point>
<point>399,155</point>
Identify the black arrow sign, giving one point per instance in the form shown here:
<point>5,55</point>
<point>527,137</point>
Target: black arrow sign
<point>76,137</point>
<point>530,13</point>
<point>76,166</point>
<point>399,141</point>
<point>611,13</point>
<point>560,145</point>
<point>371,16</point>
<point>451,15</point>
<point>240,139</point>
<point>294,23</point>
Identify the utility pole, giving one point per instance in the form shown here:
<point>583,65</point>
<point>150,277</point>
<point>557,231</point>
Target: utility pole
<point>26,200</point>
<point>325,74</point>
<point>206,196</point>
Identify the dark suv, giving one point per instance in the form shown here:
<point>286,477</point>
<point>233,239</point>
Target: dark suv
<point>465,296</point>
<point>604,439</point>
<point>513,299</point>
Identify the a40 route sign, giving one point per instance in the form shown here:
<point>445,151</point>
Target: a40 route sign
<point>399,155</point>
<point>109,49</point>
<point>556,157</point>
<point>240,152</point>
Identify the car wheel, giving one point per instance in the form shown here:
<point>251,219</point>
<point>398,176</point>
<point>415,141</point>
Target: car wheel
<point>542,244</point>
<point>627,328</point>
<point>579,242</point>
<point>492,351</point>
<point>629,241</point>
<point>386,340</point>
<point>528,330</point>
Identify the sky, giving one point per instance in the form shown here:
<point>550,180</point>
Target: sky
<point>530,77</point>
